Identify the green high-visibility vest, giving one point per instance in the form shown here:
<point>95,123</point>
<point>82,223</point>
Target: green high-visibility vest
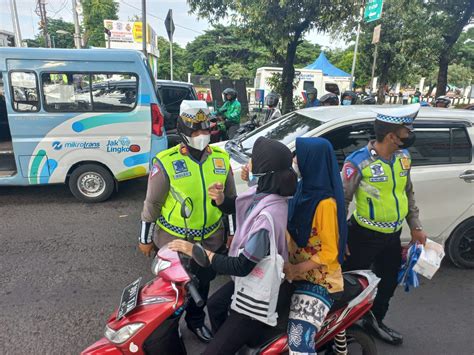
<point>189,178</point>
<point>381,199</point>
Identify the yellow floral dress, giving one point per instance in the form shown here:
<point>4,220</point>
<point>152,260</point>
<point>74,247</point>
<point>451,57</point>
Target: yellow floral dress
<point>322,248</point>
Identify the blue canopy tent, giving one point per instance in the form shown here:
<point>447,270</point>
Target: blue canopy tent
<point>323,64</point>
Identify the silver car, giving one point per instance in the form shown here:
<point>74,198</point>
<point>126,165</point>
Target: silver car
<point>442,173</point>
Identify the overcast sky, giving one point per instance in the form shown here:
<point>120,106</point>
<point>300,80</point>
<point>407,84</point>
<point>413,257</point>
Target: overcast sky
<point>187,25</point>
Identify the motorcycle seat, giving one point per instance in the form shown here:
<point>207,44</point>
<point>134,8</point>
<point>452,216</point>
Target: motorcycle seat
<point>352,288</point>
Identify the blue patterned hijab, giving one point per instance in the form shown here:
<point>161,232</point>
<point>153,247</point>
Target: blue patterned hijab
<point>320,180</point>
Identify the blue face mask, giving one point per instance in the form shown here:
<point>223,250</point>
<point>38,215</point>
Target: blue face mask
<point>254,177</point>
<point>346,102</point>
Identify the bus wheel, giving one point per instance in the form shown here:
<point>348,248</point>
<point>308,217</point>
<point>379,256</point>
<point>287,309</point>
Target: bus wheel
<point>91,183</point>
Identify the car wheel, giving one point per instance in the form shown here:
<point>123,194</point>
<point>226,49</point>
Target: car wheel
<point>460,246</point>
<point>91,183</point>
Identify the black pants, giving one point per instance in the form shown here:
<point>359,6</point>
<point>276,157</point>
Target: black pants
<point>233,330</point>
<point>383,251</point>
<point>195,315</point>
<point>231,128</point>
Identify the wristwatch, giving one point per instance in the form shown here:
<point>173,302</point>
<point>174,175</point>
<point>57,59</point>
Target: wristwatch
<point>418,228</point>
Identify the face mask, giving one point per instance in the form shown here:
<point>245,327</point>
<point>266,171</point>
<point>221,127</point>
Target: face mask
<point>296,169</point>
<point>408,141</point>
<point>200,142</point>
<point>253,177</point>
<point>346,102</point>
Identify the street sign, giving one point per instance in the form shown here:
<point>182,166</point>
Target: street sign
<point>373,10</point>
<point>376,35</point>
<point>169,24</point>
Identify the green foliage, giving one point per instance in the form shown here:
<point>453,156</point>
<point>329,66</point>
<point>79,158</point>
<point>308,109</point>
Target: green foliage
<point>279,25</point>
<point>59,40</point>
<point>459,75</point>
<point>95,12</point>
<point>180,69</point>
<point>306,53</point>
<point>229,48</point>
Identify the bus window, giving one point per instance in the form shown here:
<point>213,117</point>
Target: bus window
<point>308,85</point>
<point>24,91</point>
<point>332,88</point>
<point>114,92</point>
<point>66,92</point>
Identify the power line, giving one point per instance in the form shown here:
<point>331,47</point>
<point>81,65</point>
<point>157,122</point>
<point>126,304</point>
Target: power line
<point>160,18</point>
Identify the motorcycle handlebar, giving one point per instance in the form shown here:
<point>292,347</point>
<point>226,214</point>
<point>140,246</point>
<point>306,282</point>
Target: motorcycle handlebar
<point>195,294</point>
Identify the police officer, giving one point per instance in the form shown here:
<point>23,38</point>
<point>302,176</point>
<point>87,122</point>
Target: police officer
<point>378,176</point>
<point>231,110</point>
<point>442,101</point>
<point>187,170</point>
<point>312,98</point>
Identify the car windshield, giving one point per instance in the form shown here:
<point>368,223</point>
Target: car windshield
<point>285,130</point>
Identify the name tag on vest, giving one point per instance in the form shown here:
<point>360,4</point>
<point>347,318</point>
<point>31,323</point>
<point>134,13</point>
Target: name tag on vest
<point>379,179</point>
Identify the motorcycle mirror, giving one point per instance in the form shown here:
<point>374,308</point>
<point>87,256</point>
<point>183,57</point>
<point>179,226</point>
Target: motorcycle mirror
<point>200,255</point>
<point>186,208</point>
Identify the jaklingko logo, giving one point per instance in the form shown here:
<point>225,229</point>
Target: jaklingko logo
<point>121,145</point>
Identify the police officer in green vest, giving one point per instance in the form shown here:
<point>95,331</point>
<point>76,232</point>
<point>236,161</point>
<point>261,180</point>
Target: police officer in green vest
<point>187,170</point>
<point>378,176</point>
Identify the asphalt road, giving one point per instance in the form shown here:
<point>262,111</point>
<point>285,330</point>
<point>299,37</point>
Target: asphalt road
<point>63,265</point>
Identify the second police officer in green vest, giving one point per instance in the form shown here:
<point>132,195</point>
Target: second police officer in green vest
<point>187,170</point>
<point>378,176</point>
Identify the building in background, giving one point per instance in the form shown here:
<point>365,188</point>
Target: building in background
<point>129,35</point>
<point>7,39</point>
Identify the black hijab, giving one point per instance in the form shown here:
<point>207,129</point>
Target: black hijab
<point>271,162</point>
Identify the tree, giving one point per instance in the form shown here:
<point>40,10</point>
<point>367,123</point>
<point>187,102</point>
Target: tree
<point>448,18</point>
<point>306,53</point>
<point>59,40</point>
<point>94,13</point>
<point>279,25</point>
<point>180,69</point>
<point>224,46</point>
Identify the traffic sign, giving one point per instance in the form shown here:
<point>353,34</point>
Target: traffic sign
<point>373,10</point>
<point>169,24</point>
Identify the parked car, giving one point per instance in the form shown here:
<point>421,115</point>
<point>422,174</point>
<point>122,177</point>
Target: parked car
<point>442,173</point>
<point>171,94</point>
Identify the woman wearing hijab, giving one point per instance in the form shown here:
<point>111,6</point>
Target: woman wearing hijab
<point>271,163</point>
<point>317,225</point>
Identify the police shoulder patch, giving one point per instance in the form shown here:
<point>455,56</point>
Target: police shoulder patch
<point>348,171</point>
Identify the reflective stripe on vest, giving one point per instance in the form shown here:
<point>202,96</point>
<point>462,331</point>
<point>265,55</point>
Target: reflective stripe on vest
<point>381,200</point>
<point>189,178</point>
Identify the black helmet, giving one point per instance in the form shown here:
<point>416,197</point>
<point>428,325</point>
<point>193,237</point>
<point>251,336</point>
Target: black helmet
<point>231,92</point>
<point>193,116</point>
<point>369,100</point>
<point>313,91</point>
<point>351,95</point>
<point>444,100</point>
<point>329,99</point>
<point>272,99</point>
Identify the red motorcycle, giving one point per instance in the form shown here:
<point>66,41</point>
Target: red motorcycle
<point>147,319</point>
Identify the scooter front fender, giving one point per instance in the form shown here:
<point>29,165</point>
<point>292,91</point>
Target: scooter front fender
<point>102,346</point>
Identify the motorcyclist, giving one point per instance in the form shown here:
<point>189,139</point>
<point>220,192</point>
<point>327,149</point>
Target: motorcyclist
<point>231,110</point>
<point>312,98</point>
<point>273,112</point>
<point>329,99</point>
<point>185,170</point>
<point>442,101</point>
<point>348,97</point>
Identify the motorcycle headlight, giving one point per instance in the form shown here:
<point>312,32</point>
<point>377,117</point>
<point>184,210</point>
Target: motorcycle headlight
<point>123,334</point>
<point>158,265</point>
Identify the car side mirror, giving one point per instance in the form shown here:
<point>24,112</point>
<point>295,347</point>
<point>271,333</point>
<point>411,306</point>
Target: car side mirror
<point>200,255</point>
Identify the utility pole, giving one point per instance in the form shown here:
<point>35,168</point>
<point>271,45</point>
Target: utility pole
<point>354,59</point>
<point>16,24</point>
<point>77,28</point>
<point>144,27</point>
<point>41,11</point>
<point>169,24</point>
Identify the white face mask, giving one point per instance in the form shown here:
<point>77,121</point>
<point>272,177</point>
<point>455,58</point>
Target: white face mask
<point>296,169</point>
<point>200,142</point>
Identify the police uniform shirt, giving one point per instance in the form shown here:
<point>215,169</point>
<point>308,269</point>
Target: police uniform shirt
<point>157,192</point>
<point>351,178</point>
